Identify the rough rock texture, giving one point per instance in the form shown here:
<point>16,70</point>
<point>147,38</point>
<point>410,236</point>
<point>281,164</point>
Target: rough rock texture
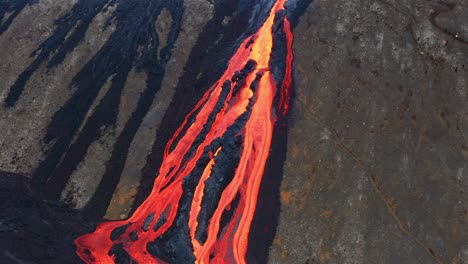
<point>24,127</point>
<point>145,135</point>
<point>376,168</point>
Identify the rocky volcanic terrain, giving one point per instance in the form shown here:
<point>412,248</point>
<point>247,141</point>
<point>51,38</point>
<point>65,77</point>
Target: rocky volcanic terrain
<point>376,162</point>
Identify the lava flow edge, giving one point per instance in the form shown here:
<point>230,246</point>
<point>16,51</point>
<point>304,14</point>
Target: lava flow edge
<point>234,121</point>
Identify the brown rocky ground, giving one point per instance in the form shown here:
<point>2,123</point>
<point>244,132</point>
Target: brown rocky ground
<point>377,149</point>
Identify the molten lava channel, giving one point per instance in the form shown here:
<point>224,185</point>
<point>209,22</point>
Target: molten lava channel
<point>233,122</point>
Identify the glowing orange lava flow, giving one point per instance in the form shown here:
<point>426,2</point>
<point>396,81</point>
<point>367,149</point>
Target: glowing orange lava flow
<point>243,105</point>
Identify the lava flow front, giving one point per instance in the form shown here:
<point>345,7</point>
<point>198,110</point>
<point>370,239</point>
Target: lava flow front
<point>204,198</point>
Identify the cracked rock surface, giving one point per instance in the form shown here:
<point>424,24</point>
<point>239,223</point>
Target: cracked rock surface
<point>376,169</point>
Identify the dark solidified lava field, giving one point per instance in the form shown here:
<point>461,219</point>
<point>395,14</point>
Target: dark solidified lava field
<point>371,169</point>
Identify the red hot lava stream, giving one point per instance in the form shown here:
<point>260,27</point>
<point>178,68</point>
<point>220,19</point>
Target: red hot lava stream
<point>253,103</point>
